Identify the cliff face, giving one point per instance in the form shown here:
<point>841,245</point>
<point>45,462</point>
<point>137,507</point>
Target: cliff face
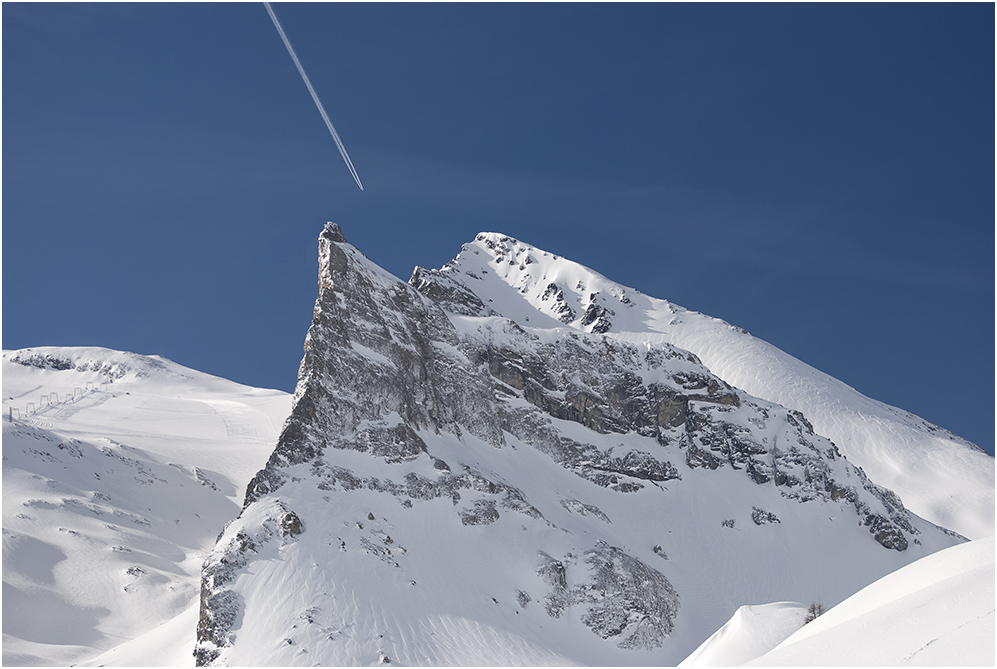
<point>454,487</point>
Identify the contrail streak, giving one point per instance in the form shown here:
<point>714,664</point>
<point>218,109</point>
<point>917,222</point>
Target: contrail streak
<point>318,103</point>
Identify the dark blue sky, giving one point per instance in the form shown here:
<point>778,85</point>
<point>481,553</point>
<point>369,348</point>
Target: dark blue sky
<point>821,175</point>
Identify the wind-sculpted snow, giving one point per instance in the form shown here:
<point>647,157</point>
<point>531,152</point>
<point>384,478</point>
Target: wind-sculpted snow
<point>517,478</point>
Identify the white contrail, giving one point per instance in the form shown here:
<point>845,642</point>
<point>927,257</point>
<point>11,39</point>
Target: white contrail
<point>318,103</point>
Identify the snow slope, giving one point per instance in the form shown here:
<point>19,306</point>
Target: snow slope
<point>939,475</point>
<point>119,470</point>
<point>938,611</point>
<point>750,633</point>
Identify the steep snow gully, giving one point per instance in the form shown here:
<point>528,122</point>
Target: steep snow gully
<point>510,460</point>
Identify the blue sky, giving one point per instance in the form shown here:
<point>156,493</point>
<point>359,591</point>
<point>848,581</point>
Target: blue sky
<point>820,175</point>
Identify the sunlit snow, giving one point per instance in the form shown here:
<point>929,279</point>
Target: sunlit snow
<point>119,471</point>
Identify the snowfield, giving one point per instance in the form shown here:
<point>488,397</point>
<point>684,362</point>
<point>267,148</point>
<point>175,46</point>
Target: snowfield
<point>750,633</point>
<point>119,471</point>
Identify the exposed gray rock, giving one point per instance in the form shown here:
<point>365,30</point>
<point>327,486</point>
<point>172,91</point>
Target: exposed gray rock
<point>111,370</point>
<point>483,513</point>
<point>762,517</point>
<point>620,595</point>
<point>559,306</point>
<point>597,317</point>
<point>574,506</point>
<point>220,606</point>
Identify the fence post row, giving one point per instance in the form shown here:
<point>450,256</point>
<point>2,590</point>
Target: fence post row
<point>53,398</point>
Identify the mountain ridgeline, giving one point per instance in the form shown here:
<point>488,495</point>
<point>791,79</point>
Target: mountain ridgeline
<point>482,467</point>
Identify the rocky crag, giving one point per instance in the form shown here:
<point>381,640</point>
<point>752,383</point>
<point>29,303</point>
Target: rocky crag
<point>457,487</point>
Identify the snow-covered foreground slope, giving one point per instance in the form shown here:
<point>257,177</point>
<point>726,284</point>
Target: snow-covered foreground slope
<point>750,633</point>
<point>119,471</point>
<point>455,488</point>
<point>939,476</point>
<point>938,611</point>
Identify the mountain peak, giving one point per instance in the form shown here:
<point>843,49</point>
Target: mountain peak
<point>496,475</point>
<point>501,245</point>
<point>530,286</point>
<point>334,233</point>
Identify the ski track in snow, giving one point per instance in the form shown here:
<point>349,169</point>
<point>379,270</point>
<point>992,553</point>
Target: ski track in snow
<point>243,424</point>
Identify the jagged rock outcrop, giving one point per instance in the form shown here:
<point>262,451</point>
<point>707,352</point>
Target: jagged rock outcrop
<point>622,597</point>
<point>111,370</point>
<point>418,398</point>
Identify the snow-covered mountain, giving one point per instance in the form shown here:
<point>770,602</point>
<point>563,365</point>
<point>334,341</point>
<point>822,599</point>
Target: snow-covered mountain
<point>495,465</point>
<point>939,475</point>
<point>511,460</point>
<point>119,471</point>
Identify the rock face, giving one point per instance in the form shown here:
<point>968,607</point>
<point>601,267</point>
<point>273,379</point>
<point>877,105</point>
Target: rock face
<point>520,477</point>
